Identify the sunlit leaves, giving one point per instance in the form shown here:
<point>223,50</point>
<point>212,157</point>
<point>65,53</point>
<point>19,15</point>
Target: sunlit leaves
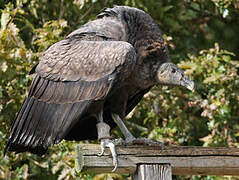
<point>218,73</point>
<point>223,6</point>
<point>5,18</point>
<point>50,33</point>
<point>208,117</point>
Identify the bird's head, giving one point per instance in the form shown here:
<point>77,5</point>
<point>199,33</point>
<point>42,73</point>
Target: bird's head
<point>170,74</point>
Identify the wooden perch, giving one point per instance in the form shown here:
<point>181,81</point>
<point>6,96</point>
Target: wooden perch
<point>183,160</point>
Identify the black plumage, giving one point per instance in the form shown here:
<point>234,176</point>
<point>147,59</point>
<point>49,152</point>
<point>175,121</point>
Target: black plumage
<point>106,65</point>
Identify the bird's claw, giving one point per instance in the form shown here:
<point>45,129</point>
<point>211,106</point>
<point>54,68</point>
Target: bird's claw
<point>138,141</point>
<point>102,149</point>
<point>145,141</point>
<point>109,143</point>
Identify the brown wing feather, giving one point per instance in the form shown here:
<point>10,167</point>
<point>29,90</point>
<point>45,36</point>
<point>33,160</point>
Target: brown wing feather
<point>73,60</point>
<point>65,86</point>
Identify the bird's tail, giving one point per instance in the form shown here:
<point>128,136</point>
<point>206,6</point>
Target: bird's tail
<point>23,136</point>
<point>39,125</point>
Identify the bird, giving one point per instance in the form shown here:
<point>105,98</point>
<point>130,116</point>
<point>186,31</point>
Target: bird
<point>87,83</point>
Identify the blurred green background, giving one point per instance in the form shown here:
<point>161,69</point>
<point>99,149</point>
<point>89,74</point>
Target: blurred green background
<point>203,39</point>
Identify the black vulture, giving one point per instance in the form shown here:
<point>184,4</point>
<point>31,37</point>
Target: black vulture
<point>88,82</point>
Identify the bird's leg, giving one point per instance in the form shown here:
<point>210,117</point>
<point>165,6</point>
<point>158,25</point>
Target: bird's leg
<point>105,139</point>
<point>129,138</point>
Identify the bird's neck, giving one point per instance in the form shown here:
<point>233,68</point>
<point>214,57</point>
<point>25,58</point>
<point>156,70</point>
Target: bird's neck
<point>144,34</point>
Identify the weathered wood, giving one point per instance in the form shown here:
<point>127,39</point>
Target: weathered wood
<point>153,172</point>
<point>184,160</point>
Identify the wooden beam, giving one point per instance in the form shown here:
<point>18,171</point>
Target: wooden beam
<point>153,172</point>
<point>184,160</point>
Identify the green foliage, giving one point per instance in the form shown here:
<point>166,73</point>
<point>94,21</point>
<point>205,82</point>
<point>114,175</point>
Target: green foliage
<point>207,117</point>
<point>217,81</point>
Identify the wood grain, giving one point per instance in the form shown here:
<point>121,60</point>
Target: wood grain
<point>184,160</point>
<point>153,172</point>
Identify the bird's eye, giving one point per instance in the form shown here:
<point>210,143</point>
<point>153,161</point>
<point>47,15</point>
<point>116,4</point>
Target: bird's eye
<point>173,70</point>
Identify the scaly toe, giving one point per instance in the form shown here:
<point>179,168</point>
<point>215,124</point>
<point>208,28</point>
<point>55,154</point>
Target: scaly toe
<point>110,144</point>
<point>119,142</point>
<point>145,141</point>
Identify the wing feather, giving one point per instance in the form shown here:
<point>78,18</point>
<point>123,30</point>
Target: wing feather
<point>70,77</point>
<point>26,128</point>
<point>19,125</point>
<point>135,99</point>
<point>85,60</point>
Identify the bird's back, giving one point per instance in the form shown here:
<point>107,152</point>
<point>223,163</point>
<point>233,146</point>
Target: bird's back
<point>101,29</point>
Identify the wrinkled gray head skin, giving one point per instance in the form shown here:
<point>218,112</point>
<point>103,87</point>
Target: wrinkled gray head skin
<point>170,74</point>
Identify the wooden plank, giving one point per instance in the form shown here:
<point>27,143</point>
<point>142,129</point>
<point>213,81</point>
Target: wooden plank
<point>184,160</point>
<point>153,172</point>
<point>92,149</point>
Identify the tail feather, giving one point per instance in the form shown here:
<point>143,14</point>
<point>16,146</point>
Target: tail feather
<point>51,110</point>
<point>22,133</point>
<point>43,124</point>
<point>26,128</point>
<point>18,124</point>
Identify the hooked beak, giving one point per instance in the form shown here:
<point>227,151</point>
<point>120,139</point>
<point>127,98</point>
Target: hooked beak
<point>170,74</point>
<point>186,82</point>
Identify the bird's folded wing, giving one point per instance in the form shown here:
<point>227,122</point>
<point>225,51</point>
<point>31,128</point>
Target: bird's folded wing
<point>71,74</point>
<point>73,60</point>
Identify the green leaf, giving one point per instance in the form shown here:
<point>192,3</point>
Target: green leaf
<point>167,8</point>
<point>5,18</point>
<point>212,78</point>
<point>226,58</point>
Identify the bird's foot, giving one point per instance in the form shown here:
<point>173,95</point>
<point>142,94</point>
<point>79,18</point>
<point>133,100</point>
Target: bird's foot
<point>110,144</point>
<point>138,141</point>
<point>105,141</point>
<point>145,141</point>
